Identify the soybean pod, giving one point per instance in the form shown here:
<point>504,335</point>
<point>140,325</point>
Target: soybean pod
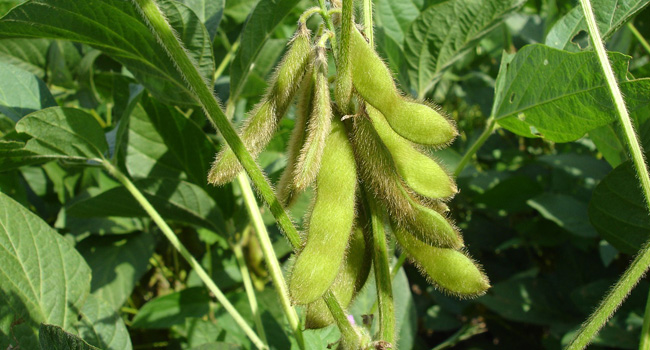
<point>330,222</point>
<point>265,117</point>
<point>415,121</point>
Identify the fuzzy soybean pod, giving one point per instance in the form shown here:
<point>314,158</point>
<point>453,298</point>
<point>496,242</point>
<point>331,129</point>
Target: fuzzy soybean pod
<point>449,269</point>
<point>377,169</point>
<point>415,121</point>
<point>265,117</point>
<point>330,221</point>
<point>421,173</point>
<point>286,188</point>
<point>319,126</point>
<point>352,277</point>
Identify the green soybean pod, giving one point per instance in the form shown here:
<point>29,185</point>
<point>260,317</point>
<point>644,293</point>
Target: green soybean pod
<point>449,269</point>
<point>330,221</point>
<point>319,126</point>
<point>377,169</point>
<point>373,81</point>
<point>421,173</point>
<point>265,117</point>
<point>351,278</point>
<point>286,189</point>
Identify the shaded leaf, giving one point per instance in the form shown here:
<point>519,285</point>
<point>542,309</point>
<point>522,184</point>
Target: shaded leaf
<point>551,93</point>
<point>610,16</point>
<point>208,11</point>
<point>21,92</point>
<point>102,326</point>
<point>173,309</point>
<point>261,24</point>
<point>444,32</point>
<point>55,338</point>
<point>42,277</point>
<point>129,41</point>
<point>566,211</point>
<point>26,54</point>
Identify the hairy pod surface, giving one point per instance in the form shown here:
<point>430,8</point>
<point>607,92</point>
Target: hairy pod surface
<point>265,117</point>
<point>451,270</point>
<point>286,189</point>
<point>373,81</point>
<point>330,222</point>
<point>318,128</point>
<point>420,173</point>
<point>379,175</point>
<point>351,278</point>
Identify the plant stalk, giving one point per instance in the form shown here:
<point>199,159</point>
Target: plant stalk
<point>490,126</point>
<point>644,343</point>
<point>367,21</point>
<point>195,265</point>
<point>270,257</point>
<point>343,87</point>
<point>641,262</point>
<point>383,279</point>
<point>226,60</point>
<point>248,286</point>
<point>638,36</point>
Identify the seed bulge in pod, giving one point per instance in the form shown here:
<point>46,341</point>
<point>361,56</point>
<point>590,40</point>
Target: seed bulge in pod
<point>373,81</point>
<point>330,222</point>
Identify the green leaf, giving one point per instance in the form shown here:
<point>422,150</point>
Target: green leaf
<point>173,309</point>
<point>102,326</point>
<point>395,17</point>
<point>117,264</point>
<point>42,277</point>
<point>129,41</point>
<point>55,338</point>
<point>444,32</point>
<point>261,24</point>
<point>175,200</point>
<point>6,5</point>
<point>14,155</point>
<point>566,211</point>
<point>64,133</point>
<point>26,54</point>
<point>21,92</point>
<point>570,32</point>
<point>618,211</point>
<point>208,11</point>
<point>541,91</point>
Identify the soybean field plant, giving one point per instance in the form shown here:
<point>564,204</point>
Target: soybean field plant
<point>311,174</point>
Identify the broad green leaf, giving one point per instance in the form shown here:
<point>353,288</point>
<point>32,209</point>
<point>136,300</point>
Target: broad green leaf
<point>173,309</point>
<point>64,133</point>
<point>395,17</point>
<point>14,155</point>
<point>55,338</point>
<point>261,24</point>
<point>208,11</point>
<point>566,211</point>
<point>101,326</point>
<point>570,32</point>
<point>175,200</point>
<point>579,165</point>
<point>42,277</point>
<point>617,210</point>
<point>117,264</point>
<point>129,41</point>
<point>444,32</point>
<point>541,91</point>
<point>21,92</point>
<point>6,5</point>
<point>26,54</point>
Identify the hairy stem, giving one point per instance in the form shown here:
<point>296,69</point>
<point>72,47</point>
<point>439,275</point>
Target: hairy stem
<point>343,88</point>
<point>367,21</point>
<point>490,125</point>
<point>644,343</point>
<point>195,265</point>
<point>383,277</point>
<point>269,256</point>
<point>638,36</point>
<point>248,286</point>
<point>641,262</point>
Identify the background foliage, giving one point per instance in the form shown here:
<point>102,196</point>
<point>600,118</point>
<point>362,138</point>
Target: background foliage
<point>550,205</point>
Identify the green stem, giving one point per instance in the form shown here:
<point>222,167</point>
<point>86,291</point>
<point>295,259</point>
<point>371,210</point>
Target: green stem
<point>490,126</point>
<point>176,243</point>
<point>641,262</point>
<point>248,286</point>
<point>308,13</point>
<point>271,259</point>
<point>644,344</point>
<point>226,60</point>
<point>349,335</point>
<point>367,21</point>
<point>398,265</point>
<point>638,36</point>
<point>383,278</point>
